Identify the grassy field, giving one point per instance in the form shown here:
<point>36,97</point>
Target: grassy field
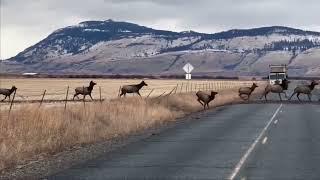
<point>33,88</point>
<point>29,131</point>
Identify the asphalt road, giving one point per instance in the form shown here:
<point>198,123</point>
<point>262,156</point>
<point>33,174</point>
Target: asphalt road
<point>245,141</point>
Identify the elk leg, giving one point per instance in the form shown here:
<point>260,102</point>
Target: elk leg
<point>292,95</point>
<point>75,96</point>
<point>91,97</point>
<point>280,96</point>
<point>139,94</point>
<point>298,94</point>
<point>208,105</point>
<point>200,102</point>
<point>265,96</point>
<point>309,96</point>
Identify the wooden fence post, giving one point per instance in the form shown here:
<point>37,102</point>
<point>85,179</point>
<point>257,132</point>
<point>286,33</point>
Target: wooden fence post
<point>100,94</point>
<point>187,87</point>
<point>84,101</point>
<point>175,91</point>
<point>181,88</point>
<point>66,100</point>
<point>11,104</point>
<point>171,92</point>
<point>150,93</point>
<point>44,93</point>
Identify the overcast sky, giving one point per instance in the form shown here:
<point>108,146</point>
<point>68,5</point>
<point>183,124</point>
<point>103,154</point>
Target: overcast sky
<point>25,22</point>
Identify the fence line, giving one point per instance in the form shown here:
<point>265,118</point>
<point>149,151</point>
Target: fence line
<point>185,87</point>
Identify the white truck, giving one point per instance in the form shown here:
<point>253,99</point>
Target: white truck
<point>277,73</point>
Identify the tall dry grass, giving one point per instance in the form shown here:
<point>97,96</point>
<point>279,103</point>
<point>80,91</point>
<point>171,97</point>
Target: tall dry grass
<point>31,130</point>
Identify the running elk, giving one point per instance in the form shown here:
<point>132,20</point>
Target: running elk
<point>84,90</point>
<point>276,88</point>
<point>7,92</point>
<point>132,88</point>
<point>247,90</point>
<point>204,99</point>
<point>304,89</point>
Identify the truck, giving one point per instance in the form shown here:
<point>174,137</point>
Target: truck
<point>277,73</point>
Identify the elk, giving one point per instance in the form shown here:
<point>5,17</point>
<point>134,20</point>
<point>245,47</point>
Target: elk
<point>247,90</point>
<point>276,88</point>
<point>132,88</point>
<point>84,90</point>
<point>7,92</point>
<point>204,99</point>
<point>304,89</point>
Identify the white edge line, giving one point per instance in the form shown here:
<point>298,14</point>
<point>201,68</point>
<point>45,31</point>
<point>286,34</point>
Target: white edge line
<point>264,140</point>
<point>253,145</point>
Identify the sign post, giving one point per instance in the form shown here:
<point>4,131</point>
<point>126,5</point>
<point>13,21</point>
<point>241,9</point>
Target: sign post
<point>188,68</point>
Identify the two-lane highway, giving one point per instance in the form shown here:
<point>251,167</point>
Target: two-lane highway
<point>208,148</point>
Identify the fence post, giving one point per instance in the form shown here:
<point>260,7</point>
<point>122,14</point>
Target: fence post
<point>191,88</point>
<point>175,91</point>
<point>44,93</point>
<point>100,94</point>
<point>187,87</point>
<point>150,93</point>
<point>11,104</point>
<point>66,100</point>
<point>171,92</point>
<point>181,88</point>
<point>84,101</point>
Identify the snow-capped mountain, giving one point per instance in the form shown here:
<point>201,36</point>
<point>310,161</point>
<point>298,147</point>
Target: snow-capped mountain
<point>109,47</point>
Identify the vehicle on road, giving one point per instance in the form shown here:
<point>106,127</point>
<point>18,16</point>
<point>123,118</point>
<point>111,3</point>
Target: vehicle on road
<point>277,73</point>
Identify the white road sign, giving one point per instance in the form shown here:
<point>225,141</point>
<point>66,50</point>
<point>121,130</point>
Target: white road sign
<point>188,68</point>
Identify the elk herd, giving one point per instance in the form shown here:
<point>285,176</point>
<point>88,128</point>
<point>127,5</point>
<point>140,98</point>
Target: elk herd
<point>203,98</point>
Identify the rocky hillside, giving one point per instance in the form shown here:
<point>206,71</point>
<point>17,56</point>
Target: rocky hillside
<point>109,47</point>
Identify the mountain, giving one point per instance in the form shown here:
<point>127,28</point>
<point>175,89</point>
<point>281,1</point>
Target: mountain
<point>110,47</point>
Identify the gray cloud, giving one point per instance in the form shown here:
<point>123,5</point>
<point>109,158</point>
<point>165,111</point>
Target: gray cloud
<point>24,23</point>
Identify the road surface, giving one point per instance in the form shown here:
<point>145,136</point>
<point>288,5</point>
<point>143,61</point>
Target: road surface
<point>247,141</point>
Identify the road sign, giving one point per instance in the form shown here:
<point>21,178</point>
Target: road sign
<point>188,68</point>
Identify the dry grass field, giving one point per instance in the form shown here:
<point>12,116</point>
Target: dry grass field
<point>30,131</point>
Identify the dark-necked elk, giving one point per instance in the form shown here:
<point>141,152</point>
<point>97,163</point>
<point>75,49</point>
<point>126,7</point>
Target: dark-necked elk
<point>132,88</point>
<point>276,88</point>
<point>304,89</point>
<point>247,90</point>
<point>7,92</point>
<point>84,90</point>
<point>204,99</point>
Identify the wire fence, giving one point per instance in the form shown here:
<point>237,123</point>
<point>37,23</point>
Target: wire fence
<point>101,93</point>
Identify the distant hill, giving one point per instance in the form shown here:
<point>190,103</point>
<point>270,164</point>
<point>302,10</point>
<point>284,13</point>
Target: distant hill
<point>110,47</point>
